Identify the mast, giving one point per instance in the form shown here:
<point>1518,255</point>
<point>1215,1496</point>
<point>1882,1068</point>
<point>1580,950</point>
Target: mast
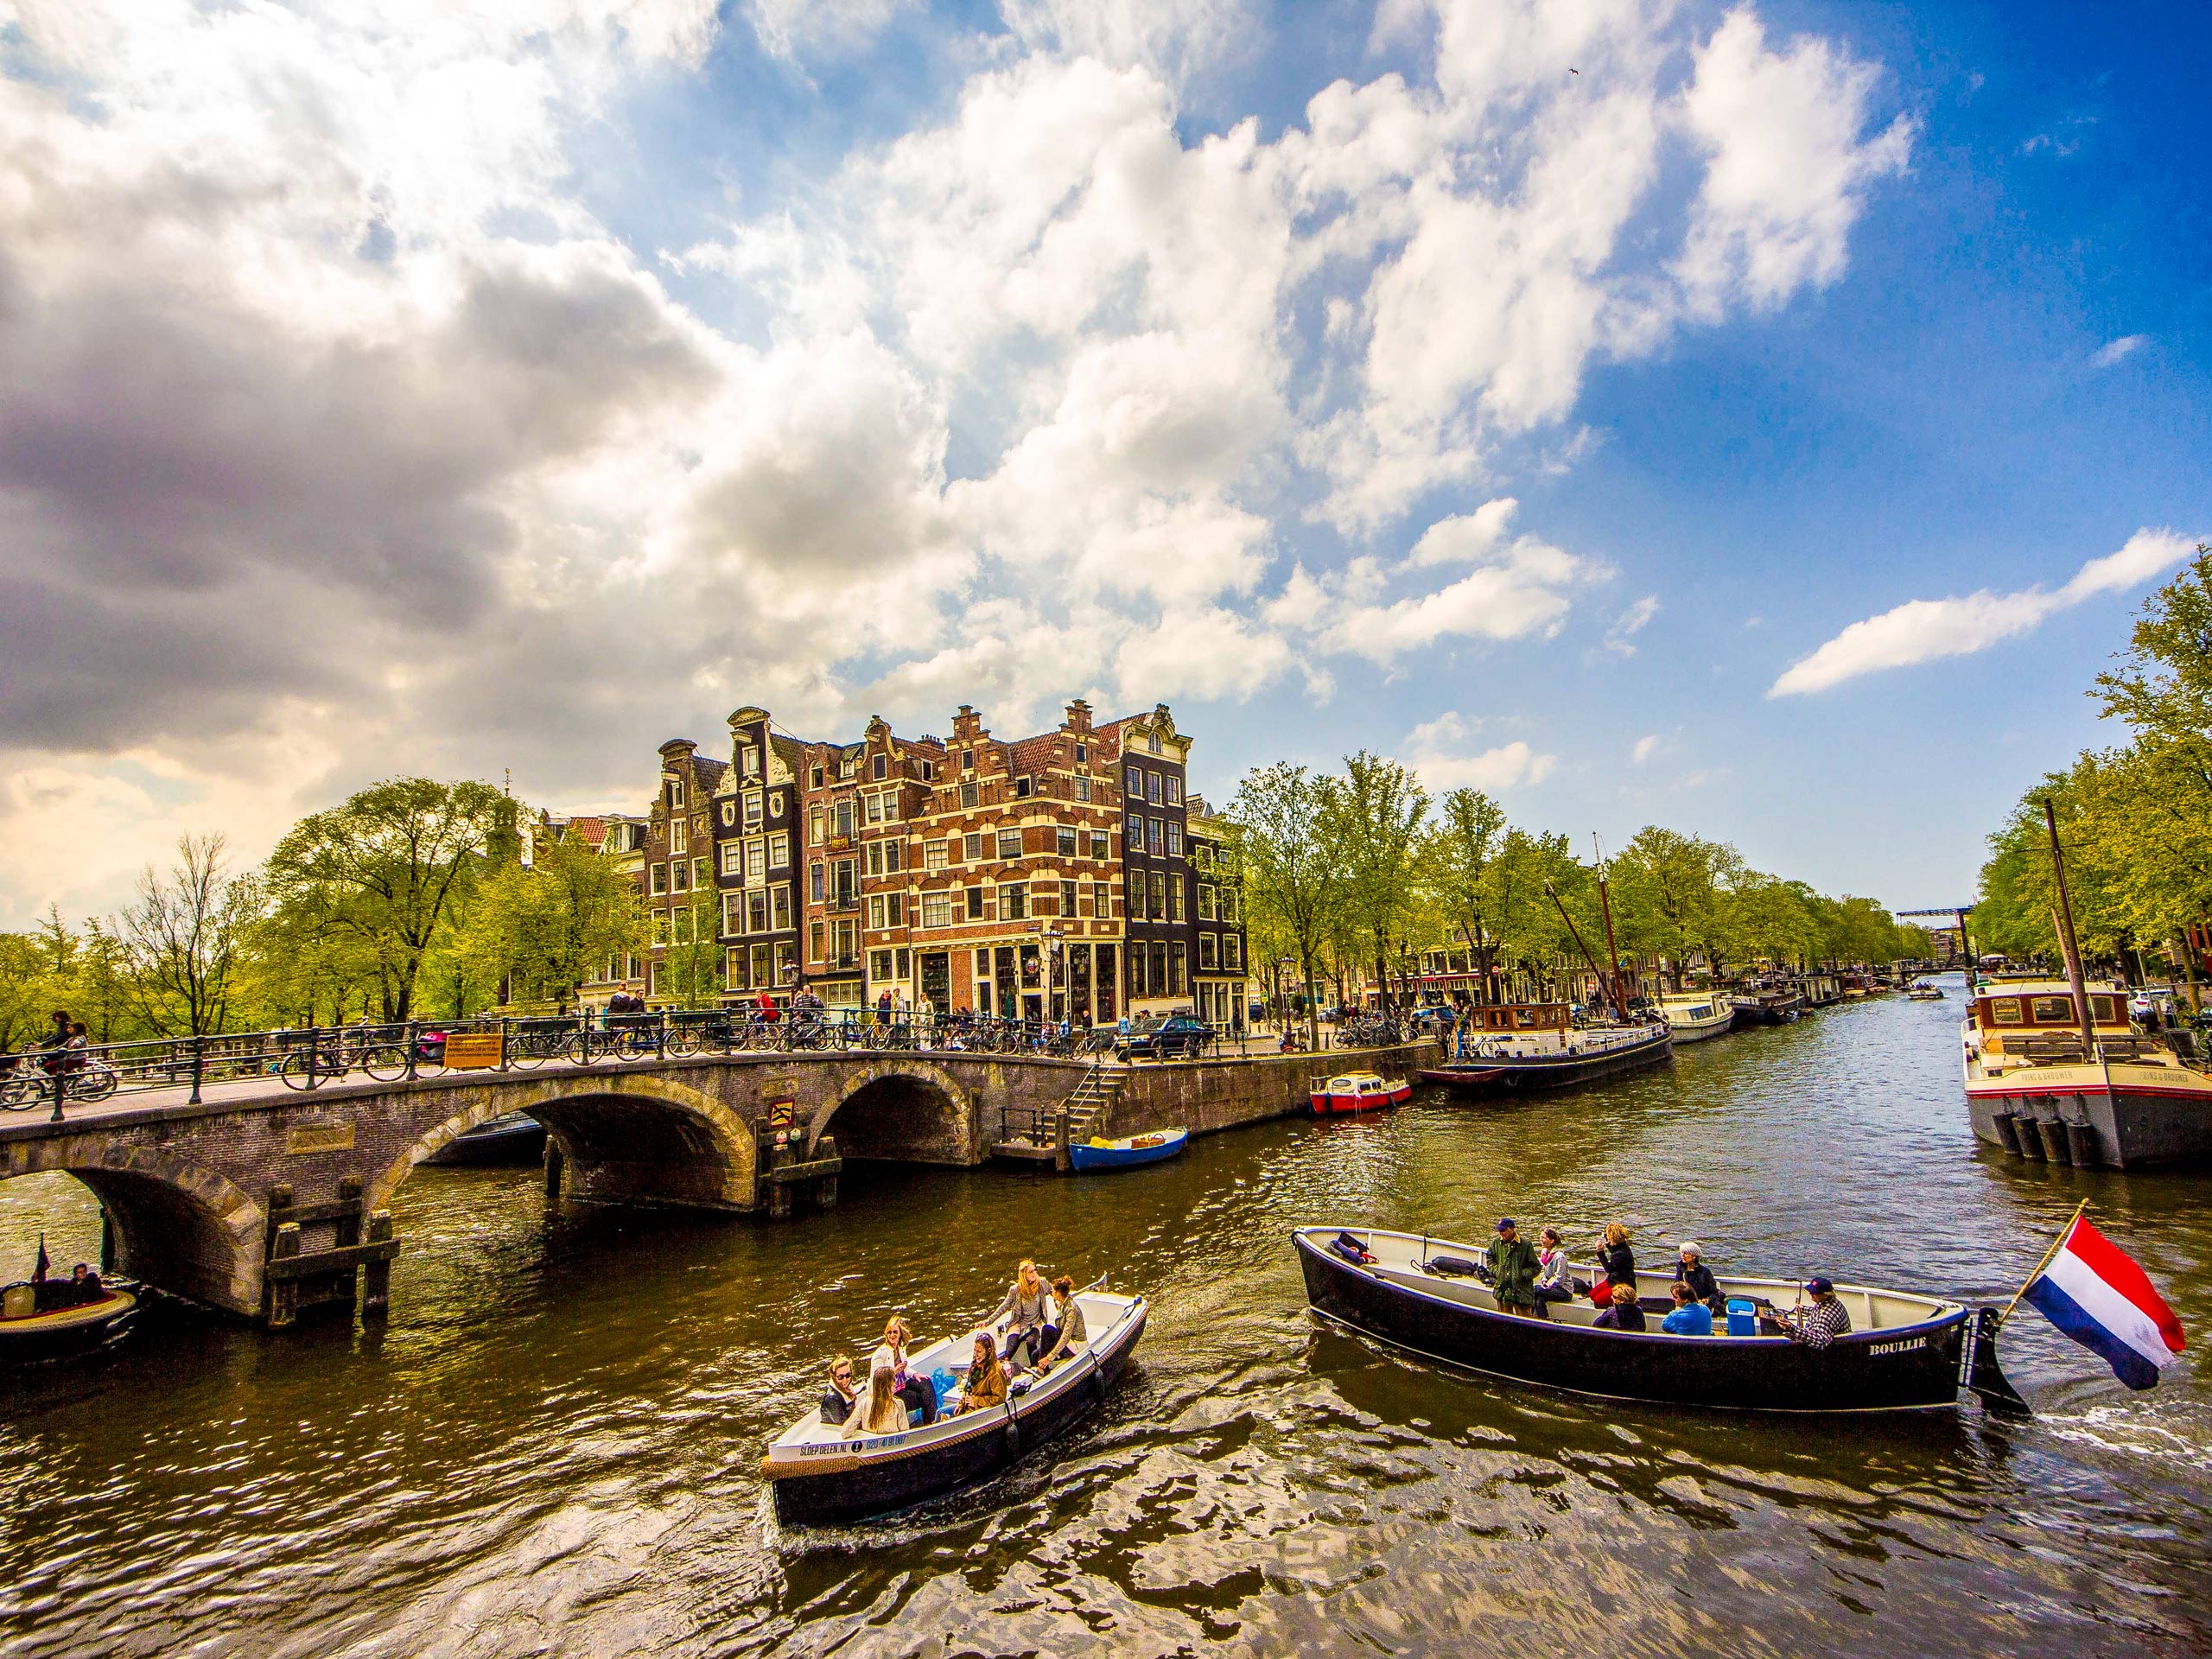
<point>1612,948</point>
<point>2067,942</point>
<point>1552,893</point>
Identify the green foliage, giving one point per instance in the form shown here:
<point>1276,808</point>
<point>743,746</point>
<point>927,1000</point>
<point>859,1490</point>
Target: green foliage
<point>1293,887</point>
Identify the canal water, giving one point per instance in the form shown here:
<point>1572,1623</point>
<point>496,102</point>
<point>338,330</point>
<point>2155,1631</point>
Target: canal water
<point>553,1447</point>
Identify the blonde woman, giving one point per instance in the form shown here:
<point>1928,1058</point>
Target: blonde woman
<point>1616,1261</point>
<point>914,1390</point>
<point>1027,1309</point>
<point>885,1412</point>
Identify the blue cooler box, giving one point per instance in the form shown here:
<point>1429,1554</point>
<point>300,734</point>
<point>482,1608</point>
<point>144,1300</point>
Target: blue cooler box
<point>1743,1317</point>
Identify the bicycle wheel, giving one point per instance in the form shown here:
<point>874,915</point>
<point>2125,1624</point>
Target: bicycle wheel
<point>527,1052</point>
<point>430,1062</point>
<point>20,1094</point>
<point>387,1063</point>
<point>684,1042</point>
<point>577,1051</point>
<point>95,1085</point>
<point>297,1072</point>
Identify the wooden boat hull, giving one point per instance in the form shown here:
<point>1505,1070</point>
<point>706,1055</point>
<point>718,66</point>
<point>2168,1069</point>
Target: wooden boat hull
<point>2119,1116</point>
<point>852,1487</point>
<point>1084,1158</point>
<point>518,1138</point>
<point>1905,1368</point>
<point>67,1332</point>
<point>1539,1074</point>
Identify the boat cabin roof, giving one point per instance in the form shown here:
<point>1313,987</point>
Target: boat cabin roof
<point>1523,1016</point>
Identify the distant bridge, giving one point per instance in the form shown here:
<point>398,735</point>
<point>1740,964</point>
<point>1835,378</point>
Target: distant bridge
<point>259,1200</point>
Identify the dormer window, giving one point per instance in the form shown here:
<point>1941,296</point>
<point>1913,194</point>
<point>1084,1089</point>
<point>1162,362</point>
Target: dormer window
<point>1081,753</point>
<point>675,792</point>
<point>1152,741</point>
<point>748,762</point>
<point>879,768</point>
<point>1024,788</point>
<point>816,778</point>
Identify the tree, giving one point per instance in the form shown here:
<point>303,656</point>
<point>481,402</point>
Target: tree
<point>541,929</point>
<point>1371,822</point>
<point>183,939</point>
<point>383,868</point>
<point>1291,882</point>
<point>1458,858</point>
<point>1666,886</point>
<point>692,966</point>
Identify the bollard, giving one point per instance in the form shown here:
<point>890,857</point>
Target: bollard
<point>556,1162</point>
<point>375,1276</point>
<point>284,1293</point>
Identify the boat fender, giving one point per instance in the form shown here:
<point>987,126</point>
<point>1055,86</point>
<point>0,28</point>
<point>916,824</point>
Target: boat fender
<point>1095,1384</point>
<point>2053,1134</point>
<point>1344,1245</point>
<point>1456,1266</point>
<point>2003,1121</point>
<point>1013,1432</point>
<point>2081,1144</point>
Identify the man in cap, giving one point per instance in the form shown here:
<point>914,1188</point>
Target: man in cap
<point>1820,1324</point>
<point>1513,1269</point>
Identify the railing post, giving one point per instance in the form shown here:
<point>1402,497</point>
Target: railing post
<point>61,1081</point>
<point>199,1065</point>
<point>314,1057</point>
<point>503,1042</point>
<point>408,1035</point>
<point>660,1034</point>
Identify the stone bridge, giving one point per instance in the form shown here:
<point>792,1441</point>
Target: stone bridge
<point>261,1198</point>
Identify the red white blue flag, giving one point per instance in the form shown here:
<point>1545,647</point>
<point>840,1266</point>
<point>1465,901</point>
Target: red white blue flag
<point>2093,1292</point>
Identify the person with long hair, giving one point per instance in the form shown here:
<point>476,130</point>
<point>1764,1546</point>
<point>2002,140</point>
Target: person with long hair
<point>1027,1308</point>
<point>986,1380</point>
<point>885,1413</point>
<point>914,1390</point>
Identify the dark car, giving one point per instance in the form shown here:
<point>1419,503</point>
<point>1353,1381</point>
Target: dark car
<point>1171,1037</point>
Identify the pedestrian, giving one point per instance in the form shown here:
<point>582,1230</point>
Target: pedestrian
<point>1513,1268</point>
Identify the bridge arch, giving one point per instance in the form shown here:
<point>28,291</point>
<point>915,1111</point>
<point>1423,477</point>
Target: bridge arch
<point>631,1137</point>
<point>178,1226</point>
<point>909,1109</point>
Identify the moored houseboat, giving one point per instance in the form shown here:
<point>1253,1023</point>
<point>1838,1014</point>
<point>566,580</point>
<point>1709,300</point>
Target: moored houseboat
<point>1767,1002</point>
<point>1538,1045</point>
<point>2122,1101</point>
<point>1693,1016</point>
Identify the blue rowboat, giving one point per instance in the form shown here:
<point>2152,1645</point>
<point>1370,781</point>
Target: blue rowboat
<point>1119,1154</point>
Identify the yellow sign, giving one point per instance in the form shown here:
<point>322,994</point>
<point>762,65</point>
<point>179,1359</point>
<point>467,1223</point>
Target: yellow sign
<point>475,1051</point>
<point>319,1137</point>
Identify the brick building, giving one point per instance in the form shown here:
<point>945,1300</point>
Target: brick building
<point>1062,875</point>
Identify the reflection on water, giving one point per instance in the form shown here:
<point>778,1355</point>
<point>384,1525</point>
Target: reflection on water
<point>554,1447</point>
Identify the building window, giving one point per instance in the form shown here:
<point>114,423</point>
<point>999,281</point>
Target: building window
<point>814,778</point>
<point>1205,902</point>
<point>1159,896</point>
<point>1151,787</point>
<point>748,762</point>
<point>680,932</point>
<point>1158,839</point>
<point>894,854</point>
<point>1135,775</point>
<point>966,760</point>
<point>701,876</point>
<point>1100,844</point>
<point>970,795</point>
<point>873,802</point>
<point>1009,843</point>
<point>975,906</point>
<point>1023,788</point>
<point>1063,842</point>
<point>756,861</point>
<point>1067,898</point>
<point>1179,981</point>
<point>936,855</point>
<point>1083,789</point>
<point>814,825</point>
<point>876,913</point>
<point>1208,959</point>
<point>733,912</point>
<point>1175,899</point>
<point>1174,790</point>
<point>733,859</point>
<point>814,941</point>
<point>1014,902</point>
<point>782,907</point>
<point>937,910</point>
<point>779,850</point>
<point>660,880</point>
<point>1081,753</point>
<point>1174,839</point>
<point>1229,904</point>
<point>753,810</point>
<point>814,882</point>
<point>776,803</point>
<point>1136,895</point>
<point>756,913</point>
<point>894,910</point>
<point>1152,741</point>
<point>730,814</point>
<point>840,820</point>
<point>679,836</point>
<point>676,794</point>
<point>971,847</point>
<point>1134,841</point>
<point>1101,898</point>
<point>1137,976</point>
<point>1232,951</point>
<point>786,970</point>
<point>734,969</point>
<point>879,965</point>
<point>679,876</point>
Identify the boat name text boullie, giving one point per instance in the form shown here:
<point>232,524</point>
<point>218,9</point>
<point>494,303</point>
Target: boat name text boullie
<point>1903,1351</point>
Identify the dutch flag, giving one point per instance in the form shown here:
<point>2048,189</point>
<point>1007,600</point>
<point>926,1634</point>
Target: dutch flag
<point>2096,1294</point>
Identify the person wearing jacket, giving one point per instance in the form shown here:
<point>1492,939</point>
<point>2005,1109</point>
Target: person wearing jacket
<point>986,1380</point>
<point>1622,1313</point>
<point>1555,1272</point>
<point>1616,1261</point>
<point>1690,1317</point>
<point>1027,1307</point>
<point>1690,1269</point>
<point>1513,1269</point>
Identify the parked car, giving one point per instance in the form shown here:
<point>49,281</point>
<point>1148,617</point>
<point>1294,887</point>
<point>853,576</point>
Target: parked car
<point>1164,1037</point>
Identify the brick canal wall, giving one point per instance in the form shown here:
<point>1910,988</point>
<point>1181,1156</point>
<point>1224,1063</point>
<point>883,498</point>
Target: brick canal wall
<point>1206,1096</point>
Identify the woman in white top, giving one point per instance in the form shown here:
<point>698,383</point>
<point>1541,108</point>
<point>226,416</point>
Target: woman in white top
<point>915,1391</point>
<point>885,1412</point>
<point>1554,1274</point>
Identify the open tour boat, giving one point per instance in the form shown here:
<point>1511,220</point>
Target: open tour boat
<point>1537,1045</point>
<point>820,1476</point>
<point>1903,1351</point>
<point>1359,1091</point>
<point>37,1324</point>
<point>2132,1102</point>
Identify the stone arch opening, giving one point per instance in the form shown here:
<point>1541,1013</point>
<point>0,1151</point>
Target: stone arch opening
<point>176,1227</point>
<point>905,1116</point>
<point>636,1139</point>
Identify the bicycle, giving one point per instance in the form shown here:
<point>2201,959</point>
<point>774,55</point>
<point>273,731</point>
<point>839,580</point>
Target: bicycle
<point>306,1068</point>
<point>94,1082</point>
<point>533,1042</point>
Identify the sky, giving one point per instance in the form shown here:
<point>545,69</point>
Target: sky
<point>1760,420</point>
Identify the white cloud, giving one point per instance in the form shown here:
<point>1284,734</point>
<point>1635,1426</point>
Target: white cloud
<point>1464,539</point>
<point>798,29</point>
<point>2116,351</point>
<point>1923,629</point>
<point>1438,750</point>
<point>1646,748</point>
<point>1629,624</point>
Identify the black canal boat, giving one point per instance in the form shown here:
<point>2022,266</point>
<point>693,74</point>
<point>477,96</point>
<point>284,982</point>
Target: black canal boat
<point>1527,1048</point>
<point>820,1476</point>
<point>1903,1352</point>
<point>42,1321</point>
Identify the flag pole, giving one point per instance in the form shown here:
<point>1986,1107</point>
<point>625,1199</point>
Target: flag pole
<point>2055,1245</point>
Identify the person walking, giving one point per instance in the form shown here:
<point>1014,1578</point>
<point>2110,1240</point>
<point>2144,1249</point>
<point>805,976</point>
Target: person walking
<point>1513,1268</point>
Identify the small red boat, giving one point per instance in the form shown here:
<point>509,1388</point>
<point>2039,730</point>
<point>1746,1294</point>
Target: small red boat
<point>1359,1091</point>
